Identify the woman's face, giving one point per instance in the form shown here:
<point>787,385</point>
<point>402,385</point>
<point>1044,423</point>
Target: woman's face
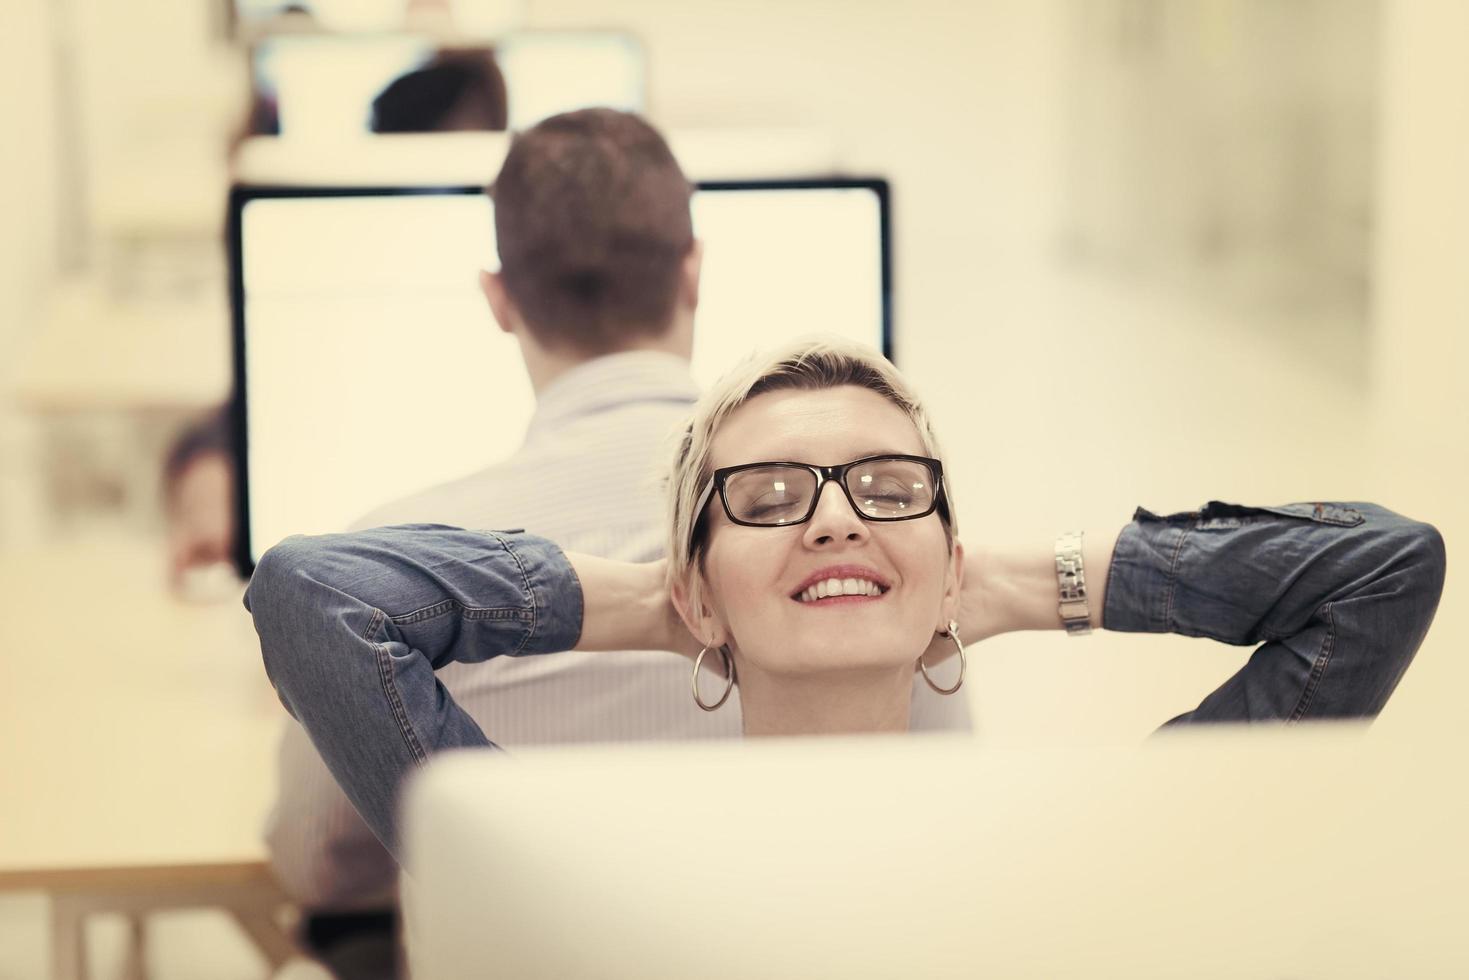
<point>756,578</point>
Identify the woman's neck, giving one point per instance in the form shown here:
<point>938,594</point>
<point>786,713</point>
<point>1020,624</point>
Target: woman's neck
<point>825,704</point>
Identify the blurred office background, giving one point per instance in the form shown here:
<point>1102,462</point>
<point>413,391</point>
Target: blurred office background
<point>1147,252</point>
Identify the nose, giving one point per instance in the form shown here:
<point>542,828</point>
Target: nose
<point>834,520</point>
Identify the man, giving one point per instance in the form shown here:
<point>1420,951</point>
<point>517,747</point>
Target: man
<point>599,282</point>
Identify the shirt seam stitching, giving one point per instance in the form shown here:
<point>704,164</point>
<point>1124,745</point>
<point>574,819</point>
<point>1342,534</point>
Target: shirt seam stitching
<point>390,690</point>
<point>529,591</point>
<point>1318,669</point>
<point>1173,579</point>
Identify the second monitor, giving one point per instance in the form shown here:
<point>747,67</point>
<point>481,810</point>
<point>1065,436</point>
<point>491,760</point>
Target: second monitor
<point>367,365</point>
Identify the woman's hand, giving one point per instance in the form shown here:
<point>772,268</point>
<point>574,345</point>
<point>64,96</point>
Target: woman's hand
<point>625,606</point>
<point>981,607</point>
<point>675,634</point>
<point>1007,589</point>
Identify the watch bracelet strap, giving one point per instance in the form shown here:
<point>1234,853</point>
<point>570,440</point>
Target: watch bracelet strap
<point>1071,585</point>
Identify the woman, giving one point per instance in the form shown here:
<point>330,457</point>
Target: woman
<point>814,558</point>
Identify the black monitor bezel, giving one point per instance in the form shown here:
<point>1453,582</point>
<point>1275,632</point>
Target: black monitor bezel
<point>242,194</point>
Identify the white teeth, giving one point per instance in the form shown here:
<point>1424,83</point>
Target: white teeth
<point>840,586</point>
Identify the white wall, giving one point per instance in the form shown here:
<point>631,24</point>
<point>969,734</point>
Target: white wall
<point>955,102</point>
<point>27,188</point>
<point>1420,349</point>
<point>28,238</point>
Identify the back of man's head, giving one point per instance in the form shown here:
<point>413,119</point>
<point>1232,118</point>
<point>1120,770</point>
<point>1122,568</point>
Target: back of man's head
<point>593,227</point>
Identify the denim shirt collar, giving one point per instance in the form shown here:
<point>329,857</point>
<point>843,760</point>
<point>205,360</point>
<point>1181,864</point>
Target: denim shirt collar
<point>612,381</point>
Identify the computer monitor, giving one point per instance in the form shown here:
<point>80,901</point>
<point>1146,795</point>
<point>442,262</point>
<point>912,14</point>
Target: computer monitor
<point>1221,852</point>
<point>547,72</point>
<point>322,85</point>
<point>368,366</point>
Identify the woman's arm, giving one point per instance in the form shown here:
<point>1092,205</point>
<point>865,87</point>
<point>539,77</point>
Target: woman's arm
<point>627,607</point>
<point>1007,590</point>
<point>352,627</point>
<point>1339,595</point>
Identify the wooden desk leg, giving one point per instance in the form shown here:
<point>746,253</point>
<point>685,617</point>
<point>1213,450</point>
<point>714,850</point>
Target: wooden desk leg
<point>274,944</point>
<point>252,899</point>
<point>68,939</point>
<point>135,967</point>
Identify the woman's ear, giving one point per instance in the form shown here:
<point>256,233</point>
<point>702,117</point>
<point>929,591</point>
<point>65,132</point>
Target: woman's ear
<point>953,587</point>
<point>708,628</point>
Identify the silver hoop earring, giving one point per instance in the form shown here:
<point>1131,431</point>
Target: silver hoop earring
<point>729,682</point>
<point>953,634</point>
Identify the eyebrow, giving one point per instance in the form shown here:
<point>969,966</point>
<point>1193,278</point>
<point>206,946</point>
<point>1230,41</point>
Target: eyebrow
<point>861,455</point>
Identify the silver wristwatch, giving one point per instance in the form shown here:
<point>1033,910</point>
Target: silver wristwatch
<point>1071,585</point>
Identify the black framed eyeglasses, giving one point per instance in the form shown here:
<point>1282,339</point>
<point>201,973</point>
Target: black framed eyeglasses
<point>892,487</point>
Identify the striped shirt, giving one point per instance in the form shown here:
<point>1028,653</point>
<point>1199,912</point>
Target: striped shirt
<point>589,476</point>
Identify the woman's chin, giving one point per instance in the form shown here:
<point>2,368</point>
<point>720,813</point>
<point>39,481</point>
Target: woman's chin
<point>832,662</point>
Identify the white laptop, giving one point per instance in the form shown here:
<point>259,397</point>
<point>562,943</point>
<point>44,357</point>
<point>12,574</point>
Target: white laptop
<point>1231,853</point>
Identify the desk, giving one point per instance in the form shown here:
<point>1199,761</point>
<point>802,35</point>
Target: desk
<point>137,742</point>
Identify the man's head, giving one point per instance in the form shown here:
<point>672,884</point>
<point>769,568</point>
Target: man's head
<point>457,90</point>
<point>596,244</point>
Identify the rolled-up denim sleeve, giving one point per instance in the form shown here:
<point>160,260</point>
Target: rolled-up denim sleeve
<point>352,627</point>
<point>1340,595</point>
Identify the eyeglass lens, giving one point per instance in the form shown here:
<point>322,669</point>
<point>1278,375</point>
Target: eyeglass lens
<point>883,489</point>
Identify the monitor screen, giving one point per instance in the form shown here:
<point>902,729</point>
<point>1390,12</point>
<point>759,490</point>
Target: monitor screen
<point>368,365</point>
<point>322,85</point>
<point>547,72</point>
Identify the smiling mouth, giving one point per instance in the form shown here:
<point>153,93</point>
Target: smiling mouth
<point>840,590</point>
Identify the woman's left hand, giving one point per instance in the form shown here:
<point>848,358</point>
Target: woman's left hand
<point>1006,589</point>
<point>979,615</point>
<point>626,606</point>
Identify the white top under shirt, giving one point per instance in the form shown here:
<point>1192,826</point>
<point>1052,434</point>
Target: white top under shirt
<point>589,477</point>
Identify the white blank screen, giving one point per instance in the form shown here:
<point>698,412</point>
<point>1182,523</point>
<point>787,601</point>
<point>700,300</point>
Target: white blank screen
<point>374,369</point>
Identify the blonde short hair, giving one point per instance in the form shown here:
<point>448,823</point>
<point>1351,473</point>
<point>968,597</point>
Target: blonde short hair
<point>809,364</point>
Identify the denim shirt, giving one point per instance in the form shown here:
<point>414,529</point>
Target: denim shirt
<point>352,626</point>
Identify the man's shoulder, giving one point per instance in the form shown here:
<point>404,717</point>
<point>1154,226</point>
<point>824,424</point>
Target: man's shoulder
<point>571,478</point>
<point>467,501</point>
<point>579,464</point>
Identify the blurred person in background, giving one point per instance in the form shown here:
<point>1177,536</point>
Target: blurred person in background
<point>199,506</point>
<point>599,284</point>
<point>458,90</point>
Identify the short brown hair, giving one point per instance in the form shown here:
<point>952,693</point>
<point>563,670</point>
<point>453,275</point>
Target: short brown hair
<point>592,223</point>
